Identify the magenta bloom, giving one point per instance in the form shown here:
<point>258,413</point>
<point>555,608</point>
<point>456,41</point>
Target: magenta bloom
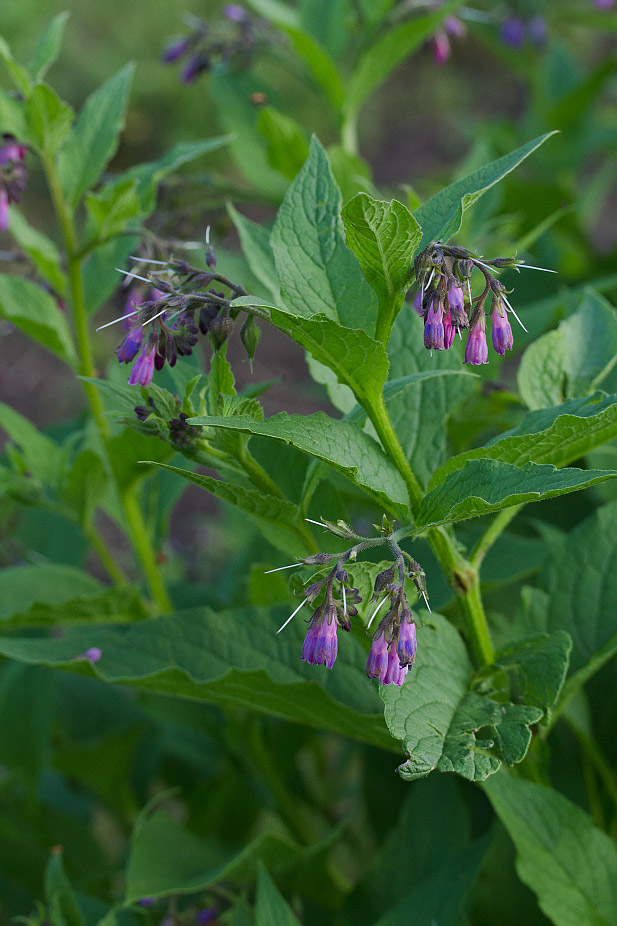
<point>441,47</point>
<point>127,351</point>
<point>143,369</point>
<point>476,349</point>
<point>502,332</point>
<point>395,673</point>
<point>454,26</point>
<point>12,176</point>
<point>4,209</point>
<point>433,326</point>
<point>377,662</point>
<point>406,647</point>
<point>448,331</point>
<point>320,644</point>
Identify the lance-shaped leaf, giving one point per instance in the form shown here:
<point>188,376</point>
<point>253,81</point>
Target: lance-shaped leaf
<point>227,658</point>
<point>341,444</point>
<point>484,486</point>
<point>441,216</point>
<point>569,863</point>
<point>255,241</point>
<point>37,314</point>
<point>317,272</point>
<point>358,360</point>
<point>47,47</point>
<point>94,137</point>
<point>383,236</point>
<point>444,725</point>
<point>40,249</point>
<point>557,435</point>
<point>48,119</point>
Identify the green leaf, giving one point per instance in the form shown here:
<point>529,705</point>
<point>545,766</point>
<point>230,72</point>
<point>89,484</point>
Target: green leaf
<point>396,387</point>
<point>255,241</point>
<point>317,272</point>
<point>572,360</point>
<point>100,277</point>
<point>339,443</point>
<point>150,174</point>
<point>27,703</point>
<point>581,578</point>
<point>569,863</point>
<point>111,605</point>
<point>94,137</point>
<point>397,43</point>
<point>440,217</point>
<point>37,314</point>
<point>320,64</point>
<point>444,725</point>
<point>19,75</point>
<point>59,895</point>
<point>420,415</point>
<point>270,508</point>
<point>351,172</point>
<point>40,249</point>
<point>485,486</point>
<point>287,144</point>
<point>48,120</point>
<point>279,13</point>
<point>383,236</point>
<point>227,658</point>
<point>557,435</point>
<point>42,457</point>
<point>25,587</point>
<point>541,664</point>
<point>358,361</point>
<point>271,908</point>
<point>128,450</point>
<point>47,47</point>
<point>13,117</point>
<point>111,209</point>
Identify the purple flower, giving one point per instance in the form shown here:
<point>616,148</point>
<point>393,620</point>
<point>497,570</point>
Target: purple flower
<point>11,151</point>
<point>196,66</point>
<point>143,369</point>
<point>456,303</point>
<point>441,47</point>
<point>91,655</point>
<point>4,209</point>
<point>129,347</point>
<point>448,331</point>
<point>235,12</point>
<point>454,26</point>
<point>604,4</point>
<point>406,646</point>
<point>502,332</point>
<point>395,673</point>
<point>512,31</point>
<point>320,644</point>
<point>476,349</point>
<point>537,30</point>
<point>207,915</point>
<point>433,326</point>
<point>417,304</point>
<point>175,50</point>
<point>12,176</point>
<point>145,902</point>
<point>377,662</point>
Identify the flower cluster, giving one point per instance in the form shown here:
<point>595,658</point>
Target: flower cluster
<point>232,41</point>
<point>13,176</point>
<point>163,319</point>
<point>445,302</point>
<point>393,648</point>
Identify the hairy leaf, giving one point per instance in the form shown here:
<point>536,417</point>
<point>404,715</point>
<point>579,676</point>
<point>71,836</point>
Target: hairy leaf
<point>37,314</point>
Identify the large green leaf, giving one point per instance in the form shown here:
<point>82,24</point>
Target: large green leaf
<point>441,216</point>
<point>557,435</point>
<point>381,58</point>
<point>94,137</point>
<point>443,724</point>
<point>23,588</point>
<point>339,443</point>
<point>227,658</point>
<point>420,414</point>
<point>41,456</point>
<point>320,64</point>
<point>383,236</point>
<point>484,486</point>
<point>40,249</point>
<point>561,855</point>
<point>572,360</point>
<point>37,314</point>
<point>255,241</point>
<point>581,578</point>
<point>317,272</point>
<point>357,360</point>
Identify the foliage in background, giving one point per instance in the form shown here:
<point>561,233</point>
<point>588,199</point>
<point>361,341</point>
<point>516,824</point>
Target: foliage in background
<point>166,756</point>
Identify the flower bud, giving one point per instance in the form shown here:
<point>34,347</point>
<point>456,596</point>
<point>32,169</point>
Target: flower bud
<point>501,330</point>
<point>448,331</point>
<point>433,326</point>
<point>377,662</point>
<point>250,336</point>
<point>320,644</point>
<point>221,328</point>
<point>406,646</point>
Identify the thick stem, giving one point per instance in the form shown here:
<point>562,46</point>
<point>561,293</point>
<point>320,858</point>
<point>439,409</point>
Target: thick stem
<point>141,543</point>
<point>114,572</point>
<point>460,573</point>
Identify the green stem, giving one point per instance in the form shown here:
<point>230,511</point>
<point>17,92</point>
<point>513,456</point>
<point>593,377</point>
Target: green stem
<point>137,530</point>
<point>596,759</point>
<point>492,533</point>
<point>141,542</point>
<point>349,133</point>
<point>461,574</point>
<point>97,543</point>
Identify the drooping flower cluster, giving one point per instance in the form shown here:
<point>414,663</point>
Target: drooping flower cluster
<point>163,319</point>
<point>232,41</point>
<point>393,649</point>
<point>13,176</point>
<point>445,302</point>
